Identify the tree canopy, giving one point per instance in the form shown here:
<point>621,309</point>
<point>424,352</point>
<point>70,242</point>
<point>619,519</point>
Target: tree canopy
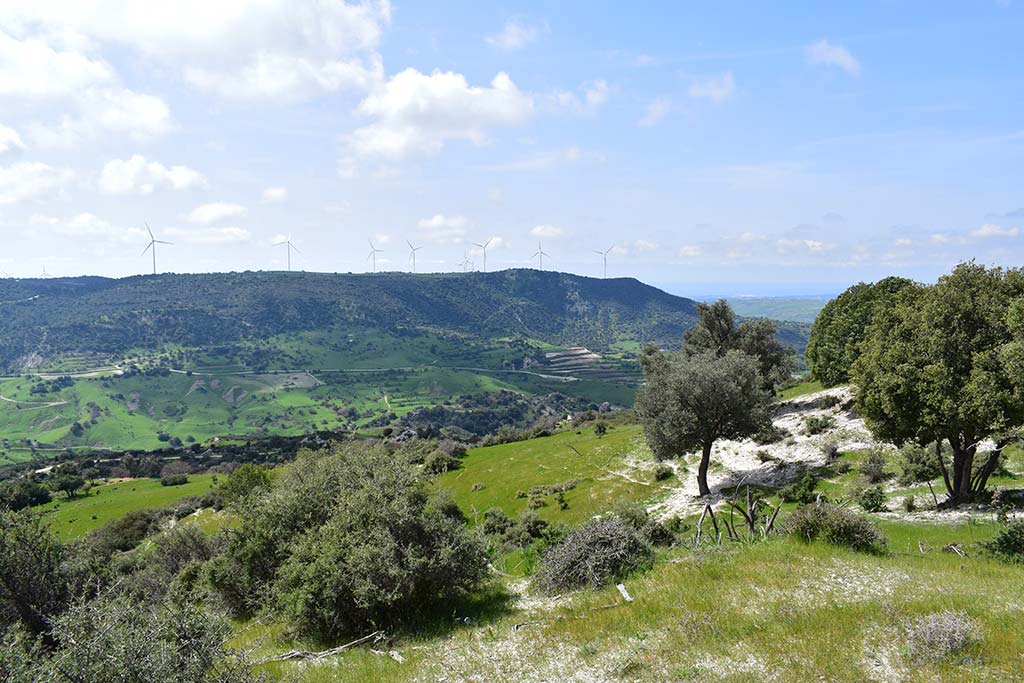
<point>690,401</point>
<point>840,327</point>
<point>716,331</point>
<point>943,363</point>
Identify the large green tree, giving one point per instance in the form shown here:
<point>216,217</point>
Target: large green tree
<point>942,363</point>
<point>839,329</point>
<point>33,582</point>
<point>688,402</point>
<point>717,332</point>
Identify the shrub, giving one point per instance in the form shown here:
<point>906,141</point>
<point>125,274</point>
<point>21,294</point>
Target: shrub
<point>600,428</point>
<point>836,525</point>
<point>909,503</point>
<point>816,424</point>
<point>244,481</point>
<point>662,472</point>
<point>597,553</point>
<point>650,529</point>
<point>439,462</point>
<point>831,451</point>
<point>843,466</point>
<point>936,636</point>
<point>173,479</point>
<point>801,491</point>
<point>1008,542</point>
<point>917,465</point>
<point>349,539</point>
<point>873,467</point>
<point>496,521</point>
<point>872,499</point>
<point>770,434</point>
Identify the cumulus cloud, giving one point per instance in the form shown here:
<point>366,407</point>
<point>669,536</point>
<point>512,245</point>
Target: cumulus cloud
<point>32,67</point>
<point>832,54</point>
<point>589,96</point>
<point>137,175</point>
<point>786,245</point>
<point>993,230</point>
<point>209,236</point>
<point>107,111</point>
<point>690,251</point>
<point>417,113</point>
<point>442,229</point>
<point>513,35</point>
<point>656,111</point>
<point>30,180</point>
<point>715,88</point>
<point>547,231</point>
<point>274,194</point>
<point>214,212</point>
<point>89,227</point>
<point>10,141</point>
<point>249,48</point>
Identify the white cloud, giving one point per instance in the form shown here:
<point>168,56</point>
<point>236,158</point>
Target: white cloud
<point>243,48</point>
<point>904,242</point>
<point>30,180</point>
<point>938,238</point>
<point>513,35</point>
<point>286,77</point>
<point>832,54</point>
<point>209,236</point>
<point>656,111</point>
<point>443,229</point>
<point>813,246</point>
<point>214,212</point>
<point>107,110</point>
<point>643,246</point>
<point>568,155</point>
<point>690,251</point>
<point>31,67</point>
<point>89,227</point>
<point>993,230</point>
<point>589,96</point>
<point>416,113</point>
<point>274,194</point>
<point>547,231</point>
<point>715,88</point>
<point>140,176</point>
<point>10,141</point>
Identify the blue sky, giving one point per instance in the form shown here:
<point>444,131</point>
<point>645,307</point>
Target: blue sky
<point>724,147</point>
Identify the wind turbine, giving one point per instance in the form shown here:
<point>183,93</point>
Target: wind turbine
<point>373,255</point>
<point>604,257</point>
<point>466,263</point>
<point>484,248</point>
<point>412,253</point>
<point>287,244</point>
<point>46,275</point>
<point>540,253</point>
<point>153,241</point>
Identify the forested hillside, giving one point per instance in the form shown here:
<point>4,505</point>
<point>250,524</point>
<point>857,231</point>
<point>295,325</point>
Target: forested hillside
<point>47,318</point>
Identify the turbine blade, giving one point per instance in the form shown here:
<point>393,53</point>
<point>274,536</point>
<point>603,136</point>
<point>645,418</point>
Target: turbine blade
<point>148,230</point>
<point>280,244</point>
<point>162,242</point>
<point>292,246</point>
<point>146,249</point>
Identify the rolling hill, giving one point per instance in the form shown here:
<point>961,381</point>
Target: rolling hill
<point>145,361</point>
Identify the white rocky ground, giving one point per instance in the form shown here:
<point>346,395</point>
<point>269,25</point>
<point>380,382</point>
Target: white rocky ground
<point>775,464</point>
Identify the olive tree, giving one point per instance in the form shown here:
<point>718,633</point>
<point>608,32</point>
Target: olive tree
<point>689,402</point>
<point>717,332</point>
<point>33,584</point>
<point>942,364</point>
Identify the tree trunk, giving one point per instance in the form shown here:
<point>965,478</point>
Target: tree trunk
<point>702,471</point>
<point>963,469</point>
<point>980,480</point>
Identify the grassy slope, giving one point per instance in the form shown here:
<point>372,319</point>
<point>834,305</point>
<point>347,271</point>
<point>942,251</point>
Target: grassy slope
<point>78,516</point>
<point>505,470</point>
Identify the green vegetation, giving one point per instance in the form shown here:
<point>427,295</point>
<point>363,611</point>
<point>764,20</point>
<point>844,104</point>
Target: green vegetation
<point>801,309</point>
<point>834,342</point>
<point>76,517</point>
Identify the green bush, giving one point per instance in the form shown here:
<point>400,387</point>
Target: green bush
<point>1008,542</point>
<point>662,472</point>
<point>439,462</point>
<point>872,499</point>
<point>173,479</point>
<point>801,491</point>
<point>245,480</point>
<point>873,467</point>
<point>917,465</point>
<point>350,539</point>
<point>836,525</point>
<point>816,424</point>
<point>597,553</point>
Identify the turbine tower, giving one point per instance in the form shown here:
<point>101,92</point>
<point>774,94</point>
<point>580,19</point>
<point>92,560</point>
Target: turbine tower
<point>466,263</point>
<point>484,248</point>
<point>153,241</point>
<point>287,244</point>
<point>373,255</point>
<point>540,254</point>
<point>604,257</point>
<point>412,253</point>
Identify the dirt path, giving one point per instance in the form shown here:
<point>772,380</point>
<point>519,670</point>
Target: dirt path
<point>34,405</point>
